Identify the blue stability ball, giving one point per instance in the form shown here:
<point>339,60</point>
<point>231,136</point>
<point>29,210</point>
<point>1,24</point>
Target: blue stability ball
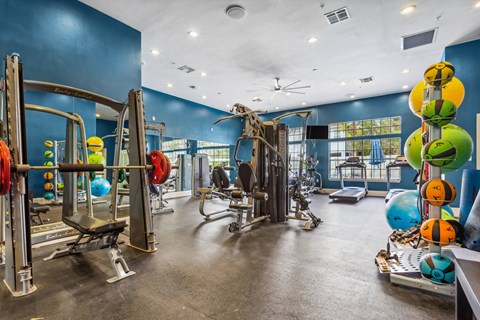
<point>437,268</point>
<point>100,186</point>
<point>402,212</point>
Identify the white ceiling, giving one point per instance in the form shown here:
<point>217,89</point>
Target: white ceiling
<point>272,42</point>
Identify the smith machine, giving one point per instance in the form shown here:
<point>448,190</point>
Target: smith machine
<point>266,176</point>
<point>94,233</point>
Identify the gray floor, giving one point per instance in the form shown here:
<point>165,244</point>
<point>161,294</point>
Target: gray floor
<point>202,271</point>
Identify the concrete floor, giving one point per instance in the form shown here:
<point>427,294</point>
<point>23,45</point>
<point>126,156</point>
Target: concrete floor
<point>201,271</point>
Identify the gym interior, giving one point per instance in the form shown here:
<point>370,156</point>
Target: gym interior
<point>240,160</point>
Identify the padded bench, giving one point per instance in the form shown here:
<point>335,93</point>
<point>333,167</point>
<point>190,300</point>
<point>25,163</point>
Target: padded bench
<point>36,210</point>
<point>90,225</point>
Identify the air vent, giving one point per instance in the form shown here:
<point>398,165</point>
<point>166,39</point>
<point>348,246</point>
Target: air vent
<point>367,79</point>
<point>419,39</point>
<point>186,68</point>
<point>337,15</point>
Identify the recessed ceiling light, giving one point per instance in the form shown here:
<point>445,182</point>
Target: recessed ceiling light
<point>304,103</point>
<point>143,63</point>
<point>405,87</point>
<point>408,9</point>
<point>204,97</point>
<point>193,34</point>
<point>277,108</point>
<point>154,52</point>
<point>98,115</point>
<point>352,96</point>
<point>343,83</point>
<point>236,12</point>
<point>169,85</point>
<point>288,93</point>
<point>477,5</point>
<point>405,70</point>
<point>203,74</point>
<point>312,39</point>
<point>227,106</point>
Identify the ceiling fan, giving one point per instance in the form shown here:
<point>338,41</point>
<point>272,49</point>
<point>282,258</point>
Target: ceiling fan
<point>278,88</point>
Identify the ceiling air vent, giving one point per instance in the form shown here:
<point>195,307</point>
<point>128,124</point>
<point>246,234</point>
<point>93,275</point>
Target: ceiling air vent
<point>186,68</point>
<point>337,15</point>
<point>419,39</point>
<point>367,79</point>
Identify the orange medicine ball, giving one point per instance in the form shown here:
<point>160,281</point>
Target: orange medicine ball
<point>438,232</point>
<point>438,192</point>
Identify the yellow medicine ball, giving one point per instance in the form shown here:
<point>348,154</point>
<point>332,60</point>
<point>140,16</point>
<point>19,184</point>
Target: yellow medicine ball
<point>95,144</point>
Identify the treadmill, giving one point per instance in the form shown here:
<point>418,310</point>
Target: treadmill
<point>351,193</point>
<point>399,162</point>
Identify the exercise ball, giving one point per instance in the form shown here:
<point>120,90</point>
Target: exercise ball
<point>455,134</point>
<point>48,154</point>
<point>48,176</point>
<point>48,186</point>
<point>452,91</point>
<point>439,74</point>
<point>96,158</point>
<point>413,148</point>
<point>402,212</point>
<point>100,186</point>
<point>439,112</point>
<point>95,144</point>
<point>439,152</point>
<point>48,143</point>
<point>438,231</point>
<point>48,163</point>
<point>48,195</point>
<point>438,192</point>
<point>60,186</point>
<point>437,268</point>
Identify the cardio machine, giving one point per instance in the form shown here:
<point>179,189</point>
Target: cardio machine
<point>351,193</point>
<point>399,162</point>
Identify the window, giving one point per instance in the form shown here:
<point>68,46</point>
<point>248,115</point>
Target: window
<point>294,144</point>
<point>218,153</point>
<point>173,148</point>
<point>375,151</point>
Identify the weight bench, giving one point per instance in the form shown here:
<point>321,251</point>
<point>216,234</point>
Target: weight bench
<point>36,210</point>
<point>96,234</point>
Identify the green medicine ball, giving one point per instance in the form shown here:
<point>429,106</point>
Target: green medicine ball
<point>48,163</point>
<point>455,134</point>
<point>439,112</point>
<point>48,154</point>
<point>96,158</point>
<point>439,152</point>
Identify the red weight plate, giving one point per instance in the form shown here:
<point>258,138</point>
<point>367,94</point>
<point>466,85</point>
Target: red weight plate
<point>160,166</point>
<point>5,168</point>
<point>167,171</point>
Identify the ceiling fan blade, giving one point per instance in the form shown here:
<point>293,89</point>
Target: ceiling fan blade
<point>296,92</point>
<point>293,88</point>
<point>259,90</point>
<point>262,86</point>
<point>291,84</point>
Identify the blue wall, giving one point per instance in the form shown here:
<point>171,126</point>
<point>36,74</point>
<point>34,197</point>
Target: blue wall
<point>189,120</point>
<point>465,58</point>
<point>70,43</point>
<point>377,107</point>
<point>73,44</point>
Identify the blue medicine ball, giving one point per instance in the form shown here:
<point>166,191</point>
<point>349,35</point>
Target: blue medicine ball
<point>402,211</point>
<point>48,195</point>
<point>437,268</point>
<point>100,186</point>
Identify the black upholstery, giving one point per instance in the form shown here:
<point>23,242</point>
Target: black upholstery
<point>89,225</point>
<point>247,176</point>
<point>240,206</point>
<point>220,178</point>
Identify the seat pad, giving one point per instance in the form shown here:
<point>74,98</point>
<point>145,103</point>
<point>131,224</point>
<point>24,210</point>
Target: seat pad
<point>89,225</point>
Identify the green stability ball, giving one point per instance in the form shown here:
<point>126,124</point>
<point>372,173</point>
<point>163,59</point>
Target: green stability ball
<point>96,158</point>
<point>439,112</point>
<point>439,152</point>
<point>455,134</point>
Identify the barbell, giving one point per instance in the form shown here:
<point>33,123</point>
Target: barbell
<point>158,167</point>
